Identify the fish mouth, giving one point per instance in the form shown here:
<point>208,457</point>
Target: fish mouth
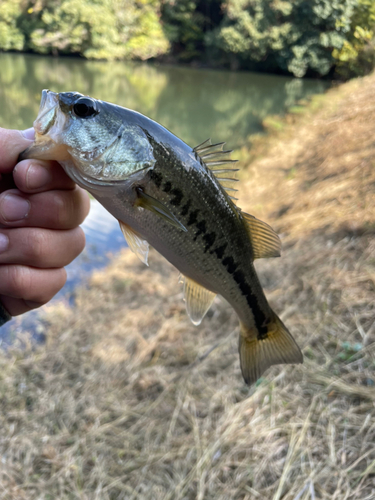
<point>45,146</point>
<point>47,112</point>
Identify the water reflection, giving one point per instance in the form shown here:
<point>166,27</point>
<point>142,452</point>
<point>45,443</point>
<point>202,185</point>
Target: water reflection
<point>193,103</point>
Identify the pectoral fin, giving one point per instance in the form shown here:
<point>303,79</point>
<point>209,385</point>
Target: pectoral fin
<point>137,244</point>
<point>265,241</point>
<point>197,298</point>
<point>149,203</point>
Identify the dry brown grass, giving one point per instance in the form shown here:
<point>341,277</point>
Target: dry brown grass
<point>128,400</point>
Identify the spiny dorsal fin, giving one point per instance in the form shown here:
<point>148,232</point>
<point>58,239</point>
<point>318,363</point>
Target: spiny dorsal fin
<point>198,299</point>
<point>136,243</point>
<point>212,157</point>
<point>265,241</point>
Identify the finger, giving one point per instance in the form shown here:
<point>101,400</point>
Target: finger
<point>12,143</point>
<point>31,284</point>
<point>18,306</point>
<point>35,176</point>
<point>42,248</point>
<point>52,209</point>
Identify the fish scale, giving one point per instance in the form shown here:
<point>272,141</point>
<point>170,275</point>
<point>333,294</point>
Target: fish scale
<point>174,198</point>
<point>209,270</point>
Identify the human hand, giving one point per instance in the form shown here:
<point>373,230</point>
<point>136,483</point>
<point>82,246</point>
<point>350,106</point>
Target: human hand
<point>40,211</point>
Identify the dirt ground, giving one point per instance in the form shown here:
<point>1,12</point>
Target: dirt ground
<point>128,400</point>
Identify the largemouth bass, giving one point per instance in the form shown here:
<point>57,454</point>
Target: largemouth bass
<point>177,199</point>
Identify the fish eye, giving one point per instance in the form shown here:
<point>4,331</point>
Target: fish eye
<point>85,107</point>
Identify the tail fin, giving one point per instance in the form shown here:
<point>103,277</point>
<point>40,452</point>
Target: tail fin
<point>258,355</point>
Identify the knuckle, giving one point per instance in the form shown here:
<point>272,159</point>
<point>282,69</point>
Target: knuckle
<point>38,245</point>
<point>19,280</point>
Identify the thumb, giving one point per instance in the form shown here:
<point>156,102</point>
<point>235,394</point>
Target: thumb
<point>12,143</point>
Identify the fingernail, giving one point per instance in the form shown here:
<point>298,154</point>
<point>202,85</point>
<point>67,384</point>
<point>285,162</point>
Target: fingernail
<point>14,207</point>
<point>4,242</point>
<point>29,133</point>
<point>37,177</point>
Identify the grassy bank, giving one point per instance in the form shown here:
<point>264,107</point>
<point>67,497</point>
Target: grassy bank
<point>128,400</point>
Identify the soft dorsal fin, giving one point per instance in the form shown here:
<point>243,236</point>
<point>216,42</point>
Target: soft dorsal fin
<point>213,156</point>
<point>265,241</point>
<point>137,244</point>
<point>198,299</point>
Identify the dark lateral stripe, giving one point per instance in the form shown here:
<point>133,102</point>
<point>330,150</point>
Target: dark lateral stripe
<point>167,187</point>
<point>251,299</point>
<point>193,217</point>
<point>201,226</point>
<point>219,251</point>
<point>239,277</point>
<point>209,239</point>
<point>178,195</point>
<point>156,177</point>
<point>185,208</point>
<point>229,263</point>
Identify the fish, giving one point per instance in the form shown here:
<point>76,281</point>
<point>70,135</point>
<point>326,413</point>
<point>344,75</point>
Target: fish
<point>177,199</point>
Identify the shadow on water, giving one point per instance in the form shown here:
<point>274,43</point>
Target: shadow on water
<point>193,103</point>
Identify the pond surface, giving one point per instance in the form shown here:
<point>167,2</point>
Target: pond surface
<point>194,104</point>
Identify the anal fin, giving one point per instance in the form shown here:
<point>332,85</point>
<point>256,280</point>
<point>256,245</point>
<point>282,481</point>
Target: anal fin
<point>136,243</point>
<point>197,298</point>
<point>256,355</point>
<point>265,241</point>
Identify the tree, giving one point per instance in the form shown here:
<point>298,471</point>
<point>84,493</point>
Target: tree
<point>357,55</point>
<point>11,37</point>
<point>297,37</point>
<point>96,29</point>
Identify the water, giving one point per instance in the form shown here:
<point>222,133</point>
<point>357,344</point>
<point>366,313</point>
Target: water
<point>193,103</point>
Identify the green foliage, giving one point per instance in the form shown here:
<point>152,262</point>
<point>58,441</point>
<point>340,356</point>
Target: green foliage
<point>96,29</point>
<point>187,21</point>
<point>99,29</point>
<point>296,36</point>
<point>357,55</point>
<point>11,38</point>
<point>285,36</point>
<point>184,27</point>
